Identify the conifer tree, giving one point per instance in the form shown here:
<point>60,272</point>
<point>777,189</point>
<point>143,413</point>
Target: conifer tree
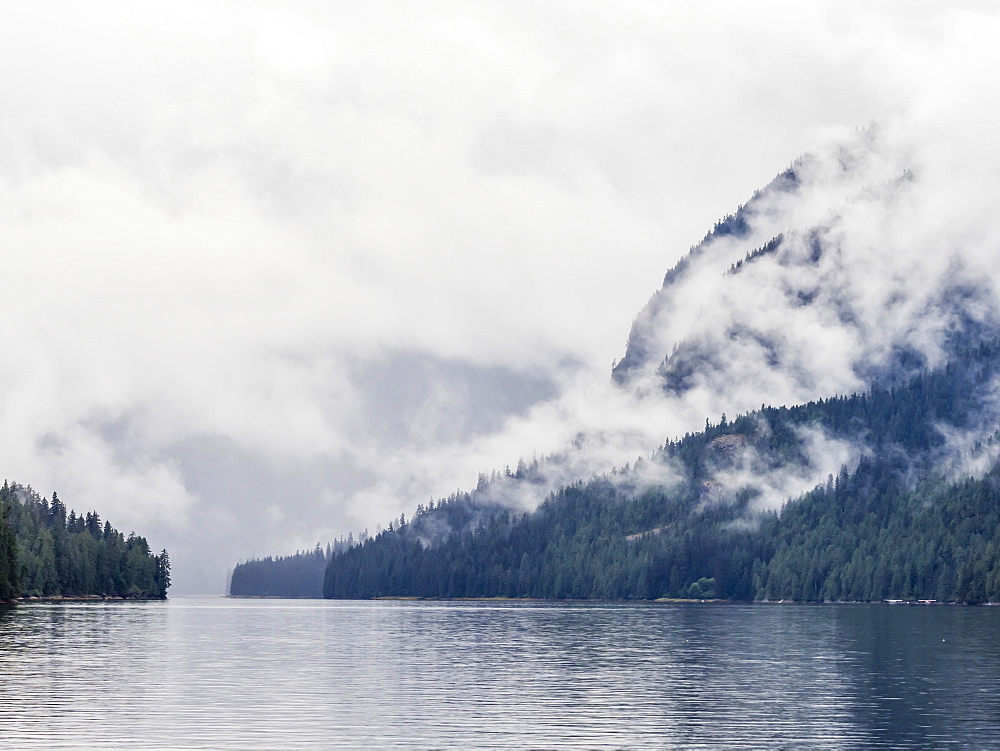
<point>10,584</point>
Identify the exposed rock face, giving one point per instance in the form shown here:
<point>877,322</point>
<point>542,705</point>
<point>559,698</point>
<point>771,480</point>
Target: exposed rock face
<point>728,446</point>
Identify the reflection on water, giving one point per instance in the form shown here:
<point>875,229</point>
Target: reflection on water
<point>214,673</point>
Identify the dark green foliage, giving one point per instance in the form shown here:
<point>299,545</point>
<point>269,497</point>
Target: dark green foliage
<point>867,538</point>
<point>73,556</point>
<point>891,529</point>
<point>767,249</point>
<point>10,579</point>
<point>586,541</point>
<point>299,575</point>
<point>161,571</point>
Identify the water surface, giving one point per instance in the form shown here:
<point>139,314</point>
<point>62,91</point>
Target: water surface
<point>289,674</point>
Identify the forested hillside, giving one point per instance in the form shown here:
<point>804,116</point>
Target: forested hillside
<point>879,484</point>
<point>45,551</point>
<point>298,575</point>
<point>10,578</point>
<point>894,527</point>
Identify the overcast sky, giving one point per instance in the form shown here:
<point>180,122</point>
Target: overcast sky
<point>276,272</point>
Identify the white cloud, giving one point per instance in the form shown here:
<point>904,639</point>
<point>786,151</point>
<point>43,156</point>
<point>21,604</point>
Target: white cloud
<point>211,214</point>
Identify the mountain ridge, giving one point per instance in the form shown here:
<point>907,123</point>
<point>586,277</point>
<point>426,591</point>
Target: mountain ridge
<point>803,296</point>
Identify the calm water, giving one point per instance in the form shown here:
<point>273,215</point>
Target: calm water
<point>216,673</point>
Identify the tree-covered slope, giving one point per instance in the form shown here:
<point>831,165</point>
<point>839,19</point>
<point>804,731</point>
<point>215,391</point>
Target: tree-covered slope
<point>831,280</point>
<point>821,284</point>
<point>298,575</point>
<point>868,537</point>
<point>10,575</point>
<point>893,527</point>
<point>56,553</point>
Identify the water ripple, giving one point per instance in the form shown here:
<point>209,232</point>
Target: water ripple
<point>251,674</point>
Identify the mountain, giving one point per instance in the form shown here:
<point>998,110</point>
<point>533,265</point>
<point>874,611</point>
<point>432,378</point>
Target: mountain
<point>835,276</point>
<point>840,287</point>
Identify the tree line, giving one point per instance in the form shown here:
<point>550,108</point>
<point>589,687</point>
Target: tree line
<point>861,537</point>
<point>47,551</point>
<point>298,575</point>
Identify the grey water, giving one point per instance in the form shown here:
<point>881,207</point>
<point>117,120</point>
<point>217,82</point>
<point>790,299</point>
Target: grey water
<point>218,673</point>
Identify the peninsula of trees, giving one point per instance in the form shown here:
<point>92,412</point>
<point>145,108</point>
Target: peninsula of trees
<point>46,551</point>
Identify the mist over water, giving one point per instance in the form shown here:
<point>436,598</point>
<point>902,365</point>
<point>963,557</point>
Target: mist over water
<point>208,673</point>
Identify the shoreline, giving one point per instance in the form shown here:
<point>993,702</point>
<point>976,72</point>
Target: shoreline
<point>658,600</point>
<point>84,598</point>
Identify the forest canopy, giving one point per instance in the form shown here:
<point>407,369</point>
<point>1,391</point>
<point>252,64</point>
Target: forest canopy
<point>49,551</point>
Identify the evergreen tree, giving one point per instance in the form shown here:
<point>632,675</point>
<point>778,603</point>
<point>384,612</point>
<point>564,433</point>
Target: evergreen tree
<point>10,584</point>
<point>161,574</point>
